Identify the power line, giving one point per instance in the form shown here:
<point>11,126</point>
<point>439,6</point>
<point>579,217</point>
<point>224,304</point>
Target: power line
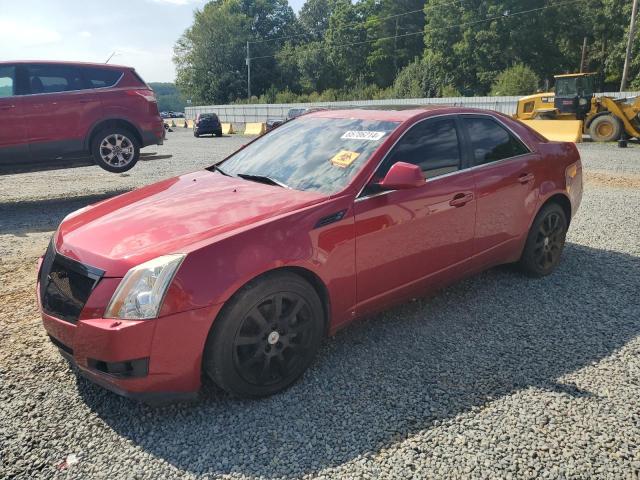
<point>446,27</point>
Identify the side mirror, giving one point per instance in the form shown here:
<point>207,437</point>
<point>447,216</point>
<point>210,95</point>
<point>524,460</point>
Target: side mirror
<point>402,176</point>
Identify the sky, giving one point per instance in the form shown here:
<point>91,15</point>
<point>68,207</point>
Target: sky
<point>141,32</point>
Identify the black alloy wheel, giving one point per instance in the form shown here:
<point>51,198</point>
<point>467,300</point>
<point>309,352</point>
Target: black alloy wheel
<point>266,336</point>
<point>545,241</point>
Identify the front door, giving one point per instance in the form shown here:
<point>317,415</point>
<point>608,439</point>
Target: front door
<point>406,239</point>
<point>13,137</point>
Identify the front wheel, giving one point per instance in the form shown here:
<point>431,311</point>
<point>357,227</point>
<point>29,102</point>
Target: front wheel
<point>605,128</point>
<point>266,336</point>
<point>115,150</point>
<point>545,241</point>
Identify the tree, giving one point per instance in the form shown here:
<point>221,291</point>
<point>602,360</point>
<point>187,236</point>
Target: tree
<point>516,80</point>
<point>314,18</point>
<point>210,55</point>
<point>391,23</point>
<point>419,79</point>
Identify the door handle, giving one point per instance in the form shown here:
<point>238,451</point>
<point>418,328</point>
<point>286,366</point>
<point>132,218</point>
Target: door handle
<point>526,177</point>
<point>461,199</point>
<point>7,107</point>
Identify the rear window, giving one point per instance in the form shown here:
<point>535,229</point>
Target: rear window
<point>7,74</point>
<point>491,142</point>
<point>101,77</point>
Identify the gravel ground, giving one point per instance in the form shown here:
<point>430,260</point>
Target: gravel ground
<point>500,376</point>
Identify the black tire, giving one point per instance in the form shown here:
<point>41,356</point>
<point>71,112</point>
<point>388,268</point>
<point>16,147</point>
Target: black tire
<point>195,134</point>
<point>605,128</point>
<point>245,355</point>
<point>103,146</point>
<point>219,133</point>
<point>545,241</point>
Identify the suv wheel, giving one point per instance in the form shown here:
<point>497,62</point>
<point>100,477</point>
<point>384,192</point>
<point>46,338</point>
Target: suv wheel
<point>115,149</point>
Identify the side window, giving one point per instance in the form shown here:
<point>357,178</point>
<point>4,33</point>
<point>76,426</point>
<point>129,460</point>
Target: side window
<point>491,142</point>
<point>432,145</point>
<point>7,81</point>
<point>53,78</point>
<point>101,77</point>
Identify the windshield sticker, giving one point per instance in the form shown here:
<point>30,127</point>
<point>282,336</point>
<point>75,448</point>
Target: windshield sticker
<point>362,135</point>
<point>344,158</point>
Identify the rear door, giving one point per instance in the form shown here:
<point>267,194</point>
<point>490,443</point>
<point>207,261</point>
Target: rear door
<point>505,179</point>
<point>13,136</point>
<point>59,110</point>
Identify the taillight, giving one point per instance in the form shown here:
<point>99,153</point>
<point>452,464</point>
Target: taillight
<point>570,175</point>
<point>148,95</point>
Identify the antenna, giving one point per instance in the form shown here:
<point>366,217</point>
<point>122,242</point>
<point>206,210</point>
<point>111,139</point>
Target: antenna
<point>111,56</point>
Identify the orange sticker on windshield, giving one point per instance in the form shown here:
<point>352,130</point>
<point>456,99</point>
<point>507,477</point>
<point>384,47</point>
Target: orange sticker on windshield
<point>344,158</point>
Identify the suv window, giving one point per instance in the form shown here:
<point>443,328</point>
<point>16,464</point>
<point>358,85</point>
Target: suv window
<point>54,78</point>
<point>491,142</point>
<point>101,77</point>
<point>7,76</point>
<point>432,145</point>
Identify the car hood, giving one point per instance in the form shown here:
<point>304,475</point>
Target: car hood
<point>170,217</point>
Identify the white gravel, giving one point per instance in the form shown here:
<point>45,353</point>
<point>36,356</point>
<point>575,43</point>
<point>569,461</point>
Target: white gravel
<point>500,376</point>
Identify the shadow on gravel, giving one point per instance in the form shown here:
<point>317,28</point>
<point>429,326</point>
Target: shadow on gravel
<point>21,218</point>
<point>383,380</point>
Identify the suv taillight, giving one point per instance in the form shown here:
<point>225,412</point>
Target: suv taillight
<point>148,95</point>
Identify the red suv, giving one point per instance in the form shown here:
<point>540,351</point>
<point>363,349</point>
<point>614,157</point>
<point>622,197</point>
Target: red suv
<point>53,111</point>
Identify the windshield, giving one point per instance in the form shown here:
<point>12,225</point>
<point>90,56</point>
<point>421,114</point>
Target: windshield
<point>316,154</point>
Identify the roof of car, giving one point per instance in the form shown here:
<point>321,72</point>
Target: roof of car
<point>392,113</point>
<point>62,62</point>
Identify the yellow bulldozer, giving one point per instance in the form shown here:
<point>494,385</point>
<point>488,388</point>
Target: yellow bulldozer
<point>573,110</point>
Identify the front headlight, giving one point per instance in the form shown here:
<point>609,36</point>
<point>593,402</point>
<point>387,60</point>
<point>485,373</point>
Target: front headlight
<point>141,291</point>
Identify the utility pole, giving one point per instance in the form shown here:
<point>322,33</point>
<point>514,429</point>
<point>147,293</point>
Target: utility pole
<point>248,61</point>
<point>584,54</point>
<point>632,34</point>
<point>395,50</point>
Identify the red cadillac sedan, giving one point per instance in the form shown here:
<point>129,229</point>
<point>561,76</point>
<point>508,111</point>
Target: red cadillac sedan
<point>239,271</point>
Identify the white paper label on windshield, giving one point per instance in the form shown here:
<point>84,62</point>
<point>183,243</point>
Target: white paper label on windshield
<point>362,135</point>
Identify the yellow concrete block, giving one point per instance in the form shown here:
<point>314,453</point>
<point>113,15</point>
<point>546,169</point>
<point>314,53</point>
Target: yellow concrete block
<point>227,129</point>
<point>557,130</point>
<point>255,128</point>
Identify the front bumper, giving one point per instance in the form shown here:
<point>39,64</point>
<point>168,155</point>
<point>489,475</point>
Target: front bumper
<point>166,353</point>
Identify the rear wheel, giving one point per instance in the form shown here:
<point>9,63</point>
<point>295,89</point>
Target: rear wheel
<point>115,149</point>
<point>266,336</point>
<point>605,128</point>
<point>545,241</point>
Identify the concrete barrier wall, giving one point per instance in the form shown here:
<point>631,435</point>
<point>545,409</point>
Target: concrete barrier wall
<point>263,112</point>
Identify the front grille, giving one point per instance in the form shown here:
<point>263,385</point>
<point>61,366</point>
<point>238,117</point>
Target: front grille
<point>65,285</point>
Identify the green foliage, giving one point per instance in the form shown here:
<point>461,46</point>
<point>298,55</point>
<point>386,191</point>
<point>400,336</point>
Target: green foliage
<point>421,78</point>
<point>342,49</point>
<point>169,98</point>
<point>516,80</point>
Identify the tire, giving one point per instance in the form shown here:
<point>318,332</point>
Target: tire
<point>605,128</point>
<point>219,133</point>
<point>545,241</point>
<point>245,355</point>
<point>105,154</point>
<point>197,135</point>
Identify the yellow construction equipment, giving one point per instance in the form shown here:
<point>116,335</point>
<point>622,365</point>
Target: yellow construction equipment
<point>605,119</point>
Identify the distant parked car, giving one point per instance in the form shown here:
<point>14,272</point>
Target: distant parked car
<point>53,111</point>
<point>207,123</point>
<point>291,114</point>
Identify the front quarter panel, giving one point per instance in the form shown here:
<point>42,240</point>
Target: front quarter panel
<point>212,273</point>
